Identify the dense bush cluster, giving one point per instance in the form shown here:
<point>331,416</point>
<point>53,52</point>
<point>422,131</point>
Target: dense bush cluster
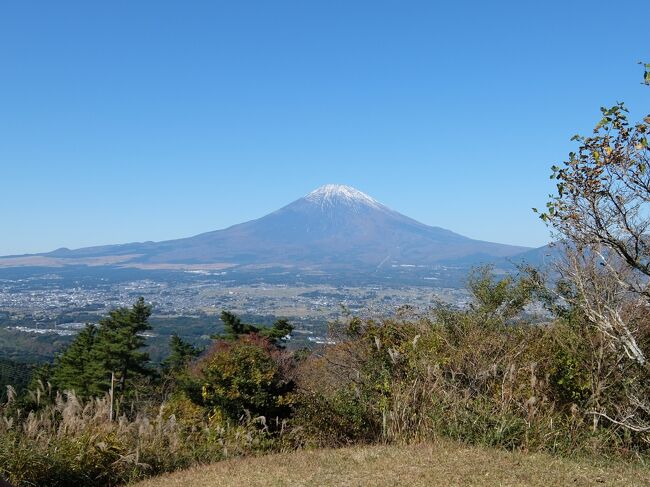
<point>482,375</point>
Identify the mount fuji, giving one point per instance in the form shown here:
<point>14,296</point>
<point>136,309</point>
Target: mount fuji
<point>333,227</point>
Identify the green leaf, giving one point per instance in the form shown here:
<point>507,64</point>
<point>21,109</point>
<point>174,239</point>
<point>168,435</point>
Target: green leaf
<point>603,122</point>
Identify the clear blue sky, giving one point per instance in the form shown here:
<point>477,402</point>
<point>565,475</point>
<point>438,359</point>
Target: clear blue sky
<point>132,120</point>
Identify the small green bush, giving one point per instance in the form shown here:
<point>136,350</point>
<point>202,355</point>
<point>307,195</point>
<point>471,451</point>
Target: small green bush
<point>247,376</point>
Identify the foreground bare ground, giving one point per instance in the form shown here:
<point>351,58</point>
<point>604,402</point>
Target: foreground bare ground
<point>443,463</point>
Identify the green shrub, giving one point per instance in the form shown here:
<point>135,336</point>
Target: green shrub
<point>247,376</point>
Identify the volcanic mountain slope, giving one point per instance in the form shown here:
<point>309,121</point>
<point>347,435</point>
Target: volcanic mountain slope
<point>333,226</point>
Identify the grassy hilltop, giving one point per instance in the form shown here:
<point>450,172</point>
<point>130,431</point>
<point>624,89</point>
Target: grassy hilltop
<point>440,463</point>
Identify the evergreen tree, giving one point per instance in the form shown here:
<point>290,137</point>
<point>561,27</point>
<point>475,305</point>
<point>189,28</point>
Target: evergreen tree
<point>279,332</point>
<point>78,368</point>
<point>236,328</point>
<point>180,354</point>
<point>114,346</point>
<point>120,341</point>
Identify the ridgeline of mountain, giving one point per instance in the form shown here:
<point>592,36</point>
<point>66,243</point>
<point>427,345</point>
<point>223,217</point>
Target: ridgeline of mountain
<point>334,226</point>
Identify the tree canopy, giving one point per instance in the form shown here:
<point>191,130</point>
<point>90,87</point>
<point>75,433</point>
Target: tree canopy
<point>113,346</point>
<point>277,334</point>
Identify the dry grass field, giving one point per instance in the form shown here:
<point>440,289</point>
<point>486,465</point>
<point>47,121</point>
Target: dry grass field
<point>444,463</point>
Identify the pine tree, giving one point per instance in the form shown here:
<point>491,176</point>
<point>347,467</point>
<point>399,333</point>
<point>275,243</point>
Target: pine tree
<point>181,353</point>
<point>279,332</point>
<point>114,346</point>
<point>120,341</point>
<point>235,328</point>
<point>78,368</point>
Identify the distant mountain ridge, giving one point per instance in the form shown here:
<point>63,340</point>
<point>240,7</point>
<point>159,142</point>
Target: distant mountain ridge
<point>334,226</point>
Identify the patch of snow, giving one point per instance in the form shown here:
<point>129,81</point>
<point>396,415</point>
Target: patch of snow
<point>333,194</point>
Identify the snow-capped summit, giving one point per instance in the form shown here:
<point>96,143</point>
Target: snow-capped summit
<point>336,194</point>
